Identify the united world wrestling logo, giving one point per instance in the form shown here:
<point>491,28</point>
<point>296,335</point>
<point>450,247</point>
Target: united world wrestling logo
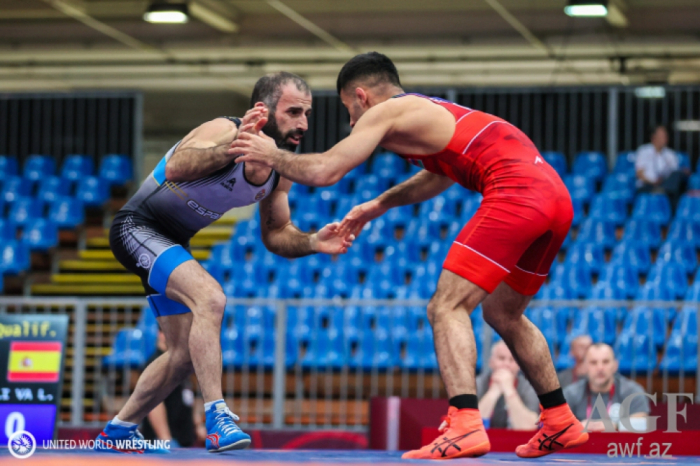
<point>21,444</point>
<point>260,195</point>
<point>144,261</point>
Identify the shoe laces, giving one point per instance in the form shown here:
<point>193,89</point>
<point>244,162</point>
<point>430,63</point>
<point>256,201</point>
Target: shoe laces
<point>225,421</point>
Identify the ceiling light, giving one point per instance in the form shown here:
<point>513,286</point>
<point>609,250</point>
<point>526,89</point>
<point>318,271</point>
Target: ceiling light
<point>587,8</point>
<point>166,13</point>
<point>650,92</point>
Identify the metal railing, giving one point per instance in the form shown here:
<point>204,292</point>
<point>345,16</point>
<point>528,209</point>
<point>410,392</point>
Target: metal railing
<point>307,364</point>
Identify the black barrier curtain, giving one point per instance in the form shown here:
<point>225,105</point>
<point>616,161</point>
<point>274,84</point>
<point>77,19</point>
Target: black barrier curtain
<point>63,124</point>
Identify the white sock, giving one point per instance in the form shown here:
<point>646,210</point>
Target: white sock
<point>212,403</point>
<point>119,422</point>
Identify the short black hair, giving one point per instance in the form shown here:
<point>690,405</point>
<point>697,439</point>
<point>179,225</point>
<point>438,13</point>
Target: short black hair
<point>652,129</point>
<point>374,65</point>
<point>268,89</point>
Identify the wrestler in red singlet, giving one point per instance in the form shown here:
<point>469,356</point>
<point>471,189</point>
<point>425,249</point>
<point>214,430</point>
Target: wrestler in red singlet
<point>514,236</point>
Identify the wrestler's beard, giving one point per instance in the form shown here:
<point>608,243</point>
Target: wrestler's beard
<point>272,130</point>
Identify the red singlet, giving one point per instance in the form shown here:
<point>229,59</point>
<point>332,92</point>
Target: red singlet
<point>526,212</point>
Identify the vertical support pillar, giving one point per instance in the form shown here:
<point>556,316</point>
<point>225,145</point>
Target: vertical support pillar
<point>613,123</point>
<point>279,372</point>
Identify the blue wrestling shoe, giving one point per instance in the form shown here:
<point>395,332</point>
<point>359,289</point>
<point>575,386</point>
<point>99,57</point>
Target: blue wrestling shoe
<point>222,432</point>
<point>119,439</point>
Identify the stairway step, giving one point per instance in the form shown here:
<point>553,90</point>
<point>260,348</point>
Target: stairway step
<point>90,289</point>
<point>100,278</point>
<point>106,254</point>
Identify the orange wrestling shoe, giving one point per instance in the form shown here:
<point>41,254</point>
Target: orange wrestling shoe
<point>463,436</point>
<point>560,430</point>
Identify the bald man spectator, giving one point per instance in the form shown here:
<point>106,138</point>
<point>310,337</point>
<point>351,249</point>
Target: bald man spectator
<point>577,350</point>
<point>506,398</point>
<point>602,380</point>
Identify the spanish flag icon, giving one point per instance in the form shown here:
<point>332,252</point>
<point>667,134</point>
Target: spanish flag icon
<point>34,361</point>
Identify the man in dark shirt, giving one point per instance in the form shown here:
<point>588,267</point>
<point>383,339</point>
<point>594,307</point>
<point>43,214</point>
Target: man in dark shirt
<point>174,419</point>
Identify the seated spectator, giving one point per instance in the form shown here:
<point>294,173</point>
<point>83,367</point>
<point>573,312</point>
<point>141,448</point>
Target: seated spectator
<point>657,167</point>
<point>604,381</point>
<point>579,346</point>
<point>506,398</point>
<point>175,419</point>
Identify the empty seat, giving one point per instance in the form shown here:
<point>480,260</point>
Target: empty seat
<point>598,322</point>
<point>608,208</point>
<point>625,162</point>
<point>679,252</point>
<point>689,208</point>
<point>327,349</point>
<point>67,212</point>
<point>372,183</point>
<point>92,191</point>
<point>388,165</point>
<point>8,166</point>
<point>76,167</point>
<point>694,181</point>
<point>132,348</point>
<point>683,160</point>
<point>580,187</point>
<point>589,254</point>
<point>653,207</point>
<point>633,254</point>
<point>40,234</point>
<point>420,352</point>
<point>671,276</point>
<point>52,187</point>
<point>115,169</point>
<point>642,231</point>
<point>653,291</point>
<point>693,293</point>
<point>557,161</point>
<point>8,230</point>
<point>591,164</point>
<point>14,187</point>
<point>682,346</point>
<point>575,277</point>
<point>579,212</point>
<point>24,209</point>
<point>14,258</point>
<point>544,318</point>
<point>622,277</point>
<point>37,167</point>
<point>620,186</point>
<point>684,231</point>
<point>635,353</point>
<point>597,231</point>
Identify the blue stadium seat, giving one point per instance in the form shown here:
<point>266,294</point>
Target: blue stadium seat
<point>598,322</point>
<point>51,188</point>
<point>606,292</point>
<point>544,318</point>
<point>580,187</point>
<point>24,209</point>
<point>591,164</point>
<point>132,348</point>
<point>621,277</point>
<point>684,231</point>
<point>76,167</point>
<point>693,293</point>
<point>597,231</point>
<point>147,322</point>
<point>579,212</point>
<point>679,252</point>
<point>633,254</point>
<point>457,193</point>
<point>14,258</point>
<point>689,208</point>
<point>14,187</point>
<point>682,347</point>
<point>40,234</point>
<point>375,350</point>
<point>327,349</point>
<point>671,276</point>
<point>92,191</point>
<point>635,353</point>
<point>575,277</point>
<point>420,352</point>
<point>439,207</point>
<point>555,291</point>
<point>644,232</point>
<point>625,163</point>
<point>608,208</point>
<point>590,254</point>
<point>232,351</point>
<point>557,161</point>
<point>116,169</point>
<point>654,207</point>
<point>400,216</point>
<point>8,166</point>
<point>37,167</point>
<point>8,230</point>
<point>683,160</point>
<point>653,323</point>
<point>388,165</point>
<point>371,183</point>
<point>620,186</point>
<point>652,291</point>
<point>67,212</point>
<point>694,181</point>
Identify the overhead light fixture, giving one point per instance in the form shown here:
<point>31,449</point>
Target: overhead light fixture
<point>166,13</point>
<point>650,92</point>
<point>587,8</point>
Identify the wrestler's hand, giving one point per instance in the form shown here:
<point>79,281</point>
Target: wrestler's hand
<point>254,147</point>
<point>357,218</point>
<point>254,119</point>
<point>329,241</point>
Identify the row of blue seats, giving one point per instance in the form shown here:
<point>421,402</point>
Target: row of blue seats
<point>389,343</point>
<point>114,169</point>
<point>65,212</point>
<point>594,164</point>
<point>91,190</point>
